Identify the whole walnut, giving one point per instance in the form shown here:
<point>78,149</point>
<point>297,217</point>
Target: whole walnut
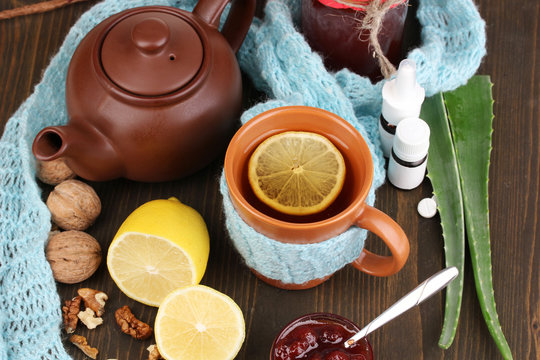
<point>73,255</point>
<point>54,172</point>
<point>74,205</point>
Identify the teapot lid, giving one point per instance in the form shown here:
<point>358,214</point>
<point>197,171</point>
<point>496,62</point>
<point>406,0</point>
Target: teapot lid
<point>152,53</point>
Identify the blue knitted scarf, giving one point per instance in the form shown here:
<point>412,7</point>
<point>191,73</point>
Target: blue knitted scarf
<point>280,63</point>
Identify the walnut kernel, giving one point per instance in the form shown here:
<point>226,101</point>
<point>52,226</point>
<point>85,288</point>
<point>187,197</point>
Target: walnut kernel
<point>73,255</point>
<point>54,172</point>
<point>89,319</point>
<point>154,353</point>
<point>94,299</point>
<point>74,205</point>
<point>69,313</point>
<point>130,325</point>
<point>81,343</point>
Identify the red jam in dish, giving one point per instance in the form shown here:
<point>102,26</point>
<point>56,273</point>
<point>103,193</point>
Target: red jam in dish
<point>320,337</point>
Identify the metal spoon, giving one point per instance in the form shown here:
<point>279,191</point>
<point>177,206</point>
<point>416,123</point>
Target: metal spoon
<point>425,290</point>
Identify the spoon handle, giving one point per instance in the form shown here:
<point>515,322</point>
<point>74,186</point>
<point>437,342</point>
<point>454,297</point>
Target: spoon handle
<point>422,292</point>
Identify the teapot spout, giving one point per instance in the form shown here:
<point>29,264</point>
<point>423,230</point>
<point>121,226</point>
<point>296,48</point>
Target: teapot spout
<point>50,143</point>
<point>87,152</point>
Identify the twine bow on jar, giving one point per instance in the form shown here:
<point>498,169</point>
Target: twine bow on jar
<point>375,10</point>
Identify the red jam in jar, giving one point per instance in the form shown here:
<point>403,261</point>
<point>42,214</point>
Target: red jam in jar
<point>320,336</point>
<point>331,29</point>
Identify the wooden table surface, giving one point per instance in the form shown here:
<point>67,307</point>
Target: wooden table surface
<point>27,45</point>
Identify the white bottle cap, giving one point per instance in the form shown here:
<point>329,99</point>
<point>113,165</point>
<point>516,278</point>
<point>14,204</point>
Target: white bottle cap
<point>402,96</point>
<point>411,142</point>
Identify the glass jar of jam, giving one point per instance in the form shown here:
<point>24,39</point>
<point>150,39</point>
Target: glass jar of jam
<point>319,336</point>
<point>331,28</point>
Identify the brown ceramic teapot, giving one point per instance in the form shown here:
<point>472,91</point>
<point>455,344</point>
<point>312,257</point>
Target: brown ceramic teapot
<point>152,93</point>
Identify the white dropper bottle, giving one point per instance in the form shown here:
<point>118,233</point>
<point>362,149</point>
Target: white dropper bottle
<point>407,165</point>
<point>402,98</point>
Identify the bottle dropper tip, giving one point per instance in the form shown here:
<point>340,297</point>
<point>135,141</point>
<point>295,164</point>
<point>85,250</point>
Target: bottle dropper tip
<point>406,78</point>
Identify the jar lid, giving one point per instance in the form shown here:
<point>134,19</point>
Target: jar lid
<point>411,142</point>
<point>151,53</point>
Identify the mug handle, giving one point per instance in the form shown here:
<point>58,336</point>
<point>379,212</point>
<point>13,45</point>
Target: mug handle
<point>393,236</point>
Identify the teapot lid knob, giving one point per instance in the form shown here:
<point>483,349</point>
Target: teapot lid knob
<point>150,35</point>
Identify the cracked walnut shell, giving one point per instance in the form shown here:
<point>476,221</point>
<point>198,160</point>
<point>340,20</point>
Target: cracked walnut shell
<point>73,255</point>
<point>74,205</point>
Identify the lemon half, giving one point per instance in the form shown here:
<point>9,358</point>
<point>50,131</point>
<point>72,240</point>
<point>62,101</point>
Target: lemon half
<point>161,246</point>
<point>199,323</point>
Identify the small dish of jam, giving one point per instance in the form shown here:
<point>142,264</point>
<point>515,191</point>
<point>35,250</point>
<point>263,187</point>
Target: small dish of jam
<point>319,336</point>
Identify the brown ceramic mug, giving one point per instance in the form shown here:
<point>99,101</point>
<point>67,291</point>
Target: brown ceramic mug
<point>347,210</point>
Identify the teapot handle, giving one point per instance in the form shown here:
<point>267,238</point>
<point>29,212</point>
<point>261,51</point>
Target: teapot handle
<point>238,21</point>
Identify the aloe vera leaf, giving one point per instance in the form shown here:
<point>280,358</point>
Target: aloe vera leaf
<point>470,114</point>
<point>443,173</point>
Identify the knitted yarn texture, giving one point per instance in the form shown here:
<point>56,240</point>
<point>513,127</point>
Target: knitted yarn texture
<point>279,62</point>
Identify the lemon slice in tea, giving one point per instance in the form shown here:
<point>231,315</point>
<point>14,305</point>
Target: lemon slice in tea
<point>297,172</point>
